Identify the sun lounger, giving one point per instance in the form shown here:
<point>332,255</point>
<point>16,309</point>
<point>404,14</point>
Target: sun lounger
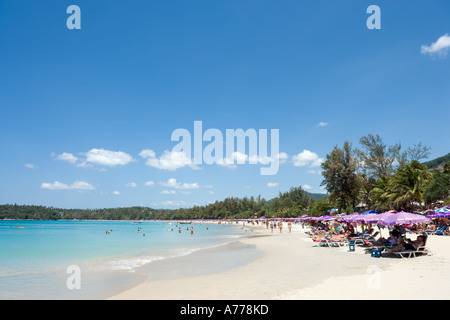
<point>430,232</point>
<point>441,231</point>
<point>359,240</point>
<point>413,253</point>
<point>364,238</point>
<point>382,247</point>
<point>332,243</point>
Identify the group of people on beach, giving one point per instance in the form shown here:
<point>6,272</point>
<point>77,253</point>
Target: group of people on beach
<point>277,224</point>
<point>395,242</point>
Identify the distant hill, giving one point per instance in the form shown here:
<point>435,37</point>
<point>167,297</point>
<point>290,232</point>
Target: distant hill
<point>317,196</point>
<point>438,162</point>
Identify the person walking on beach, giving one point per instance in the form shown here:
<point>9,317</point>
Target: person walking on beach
<point>280,225</point>
<point>289,226</point>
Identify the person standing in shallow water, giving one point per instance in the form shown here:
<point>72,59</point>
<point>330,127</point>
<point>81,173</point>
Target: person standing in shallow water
<point>192,231</point>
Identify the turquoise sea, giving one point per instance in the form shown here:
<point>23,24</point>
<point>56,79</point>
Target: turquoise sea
<point>35,255</point>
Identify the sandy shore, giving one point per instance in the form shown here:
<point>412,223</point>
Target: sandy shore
<point>291,266</point>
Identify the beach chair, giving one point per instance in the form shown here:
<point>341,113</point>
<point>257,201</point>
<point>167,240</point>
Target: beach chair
<point>413,253</point>
<point>441,231</point>
<point>381,247</point>
<point>364,239</point>
<point>333,243</point>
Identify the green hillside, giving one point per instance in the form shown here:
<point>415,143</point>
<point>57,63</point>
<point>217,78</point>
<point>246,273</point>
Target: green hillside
<point>438,162</point>
<point>317,196</point>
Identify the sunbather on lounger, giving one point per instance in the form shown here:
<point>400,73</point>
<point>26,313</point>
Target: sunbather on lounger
<point>390,241</point>
<point>408,245</point>
<point>338,238</point>
<point>319,237</point>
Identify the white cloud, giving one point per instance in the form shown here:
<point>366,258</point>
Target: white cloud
<point>282,157</point>
<point>241,158</point>
<point>312,171</point>
<point>306,187</point>
<point>173,203</point>
<point>317,163</point>
<point>108,158</point>
<point>146,153</point>
<point>272,184</point>
<point>170,160</point>
<point>77,185</point>
<point>30,166</point>
<point>54,186</point>
<point>68,157</point>
<point>116,193</point>
<point>307,157</point>
<point>131,185</point>
<point>439,47</point>
<point>168,192</point>
<point>322,124</point>
<point>227,163</point>
<point>173,183</point>
<point>149,183</point>
<point>189,185</point>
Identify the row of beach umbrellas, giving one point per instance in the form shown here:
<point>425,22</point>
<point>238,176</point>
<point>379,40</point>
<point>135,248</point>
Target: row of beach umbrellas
<point>389,218</point>
<point>440,213</point>
<point>386,218</point>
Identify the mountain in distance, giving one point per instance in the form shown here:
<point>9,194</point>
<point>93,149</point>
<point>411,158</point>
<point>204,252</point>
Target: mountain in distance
<point>317,196</point>
<point>438,163</point>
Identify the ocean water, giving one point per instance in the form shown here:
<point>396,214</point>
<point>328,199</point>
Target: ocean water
<point>36,257</point>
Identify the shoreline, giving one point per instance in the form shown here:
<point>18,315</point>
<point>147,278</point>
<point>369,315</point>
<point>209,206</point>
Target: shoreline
<point>291,266</point>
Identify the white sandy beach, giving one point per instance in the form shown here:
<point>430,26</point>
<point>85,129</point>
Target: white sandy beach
<point>293,267</point>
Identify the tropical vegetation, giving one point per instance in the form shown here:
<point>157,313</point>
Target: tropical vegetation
<point>374,176</point>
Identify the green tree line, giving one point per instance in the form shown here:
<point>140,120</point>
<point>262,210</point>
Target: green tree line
<point>292,203</point>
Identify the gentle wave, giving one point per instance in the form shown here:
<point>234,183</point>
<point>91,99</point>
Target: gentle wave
<point>131,264</point>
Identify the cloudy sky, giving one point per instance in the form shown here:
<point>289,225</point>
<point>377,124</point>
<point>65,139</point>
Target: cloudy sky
<point>88,115</point>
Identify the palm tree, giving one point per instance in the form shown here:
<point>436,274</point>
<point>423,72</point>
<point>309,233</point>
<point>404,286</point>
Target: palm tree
<point>379,194</point>
<point>407,185</point>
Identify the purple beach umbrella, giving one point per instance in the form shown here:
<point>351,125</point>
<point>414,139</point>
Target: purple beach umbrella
<point>392,219</point>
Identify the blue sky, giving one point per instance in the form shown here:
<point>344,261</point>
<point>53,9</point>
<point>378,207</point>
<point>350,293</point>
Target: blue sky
<point>79,107</point>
